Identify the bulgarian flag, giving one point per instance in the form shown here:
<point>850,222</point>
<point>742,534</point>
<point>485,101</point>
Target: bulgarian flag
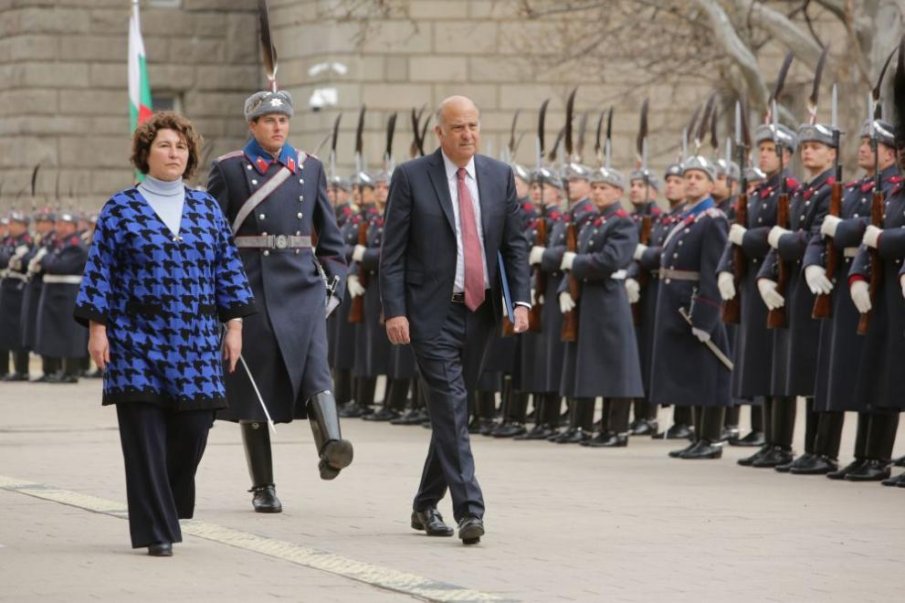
<point>139,86</point>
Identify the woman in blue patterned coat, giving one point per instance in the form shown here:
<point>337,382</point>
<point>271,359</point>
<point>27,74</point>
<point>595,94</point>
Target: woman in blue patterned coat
<point>162,275</point>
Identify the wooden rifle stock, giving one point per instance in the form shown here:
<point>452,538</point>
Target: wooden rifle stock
<point>777,318</point>
<point>876,267</point>
<point>357,309</point>
<point>823,307</point>
<point>569,330</point>
<point>732,309</point>
<point>540,281</point>
<point>643,275</point>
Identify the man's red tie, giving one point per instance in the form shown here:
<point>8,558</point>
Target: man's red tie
<point>471,246</point>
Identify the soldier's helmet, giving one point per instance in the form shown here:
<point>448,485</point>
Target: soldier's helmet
<point>19,216</point>
<point>640,174</point>
<point>68,216</point>
<point>546,177</point>
<point>701,164</point>
<point>576,171</point>
<point>381,176</point>
<point>521,172</point>
<point>608,176</point>
<point>755,174</point>
<point>883,130</point>
<point>341,183</point>
<point>673,169</point>
<point>821,133</point>
<point>779,134</point>
<point>45,214</point>
<point>728,169</point>
<point>362,179</point>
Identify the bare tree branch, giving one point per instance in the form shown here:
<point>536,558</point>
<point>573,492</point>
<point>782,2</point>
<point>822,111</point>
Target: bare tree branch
<point>783,29</point>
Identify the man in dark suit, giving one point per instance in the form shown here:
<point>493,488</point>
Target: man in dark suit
<point>449,216</point>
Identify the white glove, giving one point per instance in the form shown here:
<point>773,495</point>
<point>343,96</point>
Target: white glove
<point>15,263</point>
<point>633,288</point>
<point>768,293</point>
<point>358,253</point>
<point>861,296</point>
<point>639,251</point>
<point>540,299</point>
<point>34,265</point>
<point>725,282</point>
<point>533,296</point>
<point>736,232</point>
<point>871,236</point>
<point>775,233</point>
<point>829,226</point>
<point>818,283</point>
<point>701,335</point>
<point>902,283</point>
<point>566,303</point>
<point>353,283</point>
<point>536,254</point>
<point>567,259</point>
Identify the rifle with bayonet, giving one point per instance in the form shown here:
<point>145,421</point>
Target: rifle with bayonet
<point>646,227</point>
<point>822,306</point>
<point>569,332</point>
<point>732,309</point>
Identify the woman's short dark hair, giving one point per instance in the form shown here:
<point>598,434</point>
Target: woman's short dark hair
<point>147,131</point>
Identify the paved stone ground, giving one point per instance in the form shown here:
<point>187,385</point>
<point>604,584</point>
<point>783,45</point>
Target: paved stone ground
<point>564,523</point>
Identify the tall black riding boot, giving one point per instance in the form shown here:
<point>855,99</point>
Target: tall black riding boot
<point>334,452</point>
<point>256,440</point>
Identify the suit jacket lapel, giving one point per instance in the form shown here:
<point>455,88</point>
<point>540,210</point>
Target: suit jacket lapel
<point>483,200</point>
<point>437,174</point>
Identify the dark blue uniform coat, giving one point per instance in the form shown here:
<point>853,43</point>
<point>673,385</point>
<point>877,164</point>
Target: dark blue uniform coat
<point>58,336</point>
<point>12,288</point>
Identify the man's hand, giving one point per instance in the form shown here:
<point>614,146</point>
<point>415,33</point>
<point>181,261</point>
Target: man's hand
<point>566,303</point>
<point>98,346</point>
<point>736,232</point>
<point>818,283</point>
<point>232,344</point>
<point>768,293</point>
<point>725,282</point>
<point>353,284</point>
<point>861,296</point>
<point>829,226</point>
<point>520,324</point>
<point>398,329</point>
<point>358,252</point>
<point>633,289</point>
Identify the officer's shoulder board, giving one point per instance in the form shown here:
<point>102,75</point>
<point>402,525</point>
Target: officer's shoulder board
<point>230,155</point>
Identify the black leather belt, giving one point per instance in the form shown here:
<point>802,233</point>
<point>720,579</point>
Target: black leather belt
<point>458,297</point>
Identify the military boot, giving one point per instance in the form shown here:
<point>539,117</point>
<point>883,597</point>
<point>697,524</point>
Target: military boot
<point>334,452</point>
<point>256,439</point>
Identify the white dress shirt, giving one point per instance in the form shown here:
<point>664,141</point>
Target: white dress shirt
<point>472,184</point>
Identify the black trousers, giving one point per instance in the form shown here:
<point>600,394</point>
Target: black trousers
<point>450,366</point>
<point>161,450</point>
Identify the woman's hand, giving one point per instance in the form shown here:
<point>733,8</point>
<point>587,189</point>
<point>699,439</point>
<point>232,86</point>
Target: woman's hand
<point>98,346</point>
<point>232,343</point>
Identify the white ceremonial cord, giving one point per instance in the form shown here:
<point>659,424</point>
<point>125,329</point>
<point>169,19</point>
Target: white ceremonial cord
<point>273,428</point>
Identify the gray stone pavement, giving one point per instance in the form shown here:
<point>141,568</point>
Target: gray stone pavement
<point>564,523</point>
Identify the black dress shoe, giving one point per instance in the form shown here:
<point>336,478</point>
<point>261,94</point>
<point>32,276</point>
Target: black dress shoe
<point>750,460</point>
<point>161,549</point>
<point>898,480</point>
<point>487,427</point>
<point>471,529</point>
<point>841,473</point>
<point>776,455</point>
<point>95,374</point>
<point>412,417</point>
<point>62,378</point>
<point>576,436</point>
<point>802,461</point>
<point>265,499</point>
<point>382,415</point>
<point>351,410</point>
<point>755,438</point>
<point>431,522</point>
<point>610,440</point>
<point>899,462</point>
<point>676,432</point>
<point>702,449</point>
<point>538,432</point>
<point>676,454</point>
<point>509,430</point>
<point>644,427</point>
<point>12,377</point>
<point>871,470</point>
<point>818,464</point>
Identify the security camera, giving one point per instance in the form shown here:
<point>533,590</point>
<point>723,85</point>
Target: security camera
<point>323,97</point>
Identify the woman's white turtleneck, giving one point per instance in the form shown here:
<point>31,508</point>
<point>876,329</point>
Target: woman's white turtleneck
<point>166,198</point>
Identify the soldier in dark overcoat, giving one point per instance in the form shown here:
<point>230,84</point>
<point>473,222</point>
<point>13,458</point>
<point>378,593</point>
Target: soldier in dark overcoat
<point>58,336</point>
<point>44,220</point>
<point>286,342</point>
<point>753,350</point>
<point>603,361</point>
<point>690,340</point>
<point>340,332</point>
<point>795,343</point>
<point>840,345</point>
<point>14,253</point>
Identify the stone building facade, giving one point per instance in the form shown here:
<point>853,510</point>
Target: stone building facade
<point>63,97</point>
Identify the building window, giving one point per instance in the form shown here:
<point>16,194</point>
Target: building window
<point>166,101</point>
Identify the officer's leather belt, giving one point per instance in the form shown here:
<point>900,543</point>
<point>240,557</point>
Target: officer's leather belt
<point>850,252</point>
<point>274,242</point>
<point>679,275</point>
<point>63,279</point>
<point>151,309</point>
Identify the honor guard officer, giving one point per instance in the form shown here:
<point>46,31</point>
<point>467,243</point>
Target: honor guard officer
<point>44,221</point>
<point>340,331</point>
<point>14,255</point>
<point>841,347</point>
<point>795,344</point>
<point>689,366</point>
<point>275,197</point>
<point>646,269</point>
<point>544,382</point>
<point>753,352</point>
<point>58,337</point>
<point>603,360</point>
